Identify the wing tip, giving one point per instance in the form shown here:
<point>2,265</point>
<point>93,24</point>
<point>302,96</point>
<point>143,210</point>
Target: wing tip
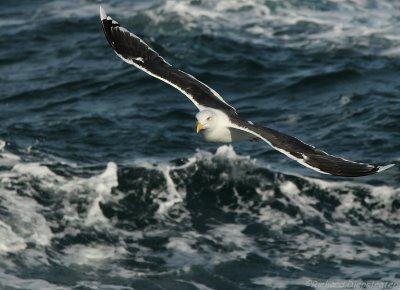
<point>103,14</point>
<point>383,168</point>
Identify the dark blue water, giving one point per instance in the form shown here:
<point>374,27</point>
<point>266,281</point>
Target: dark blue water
<point>104,183</point>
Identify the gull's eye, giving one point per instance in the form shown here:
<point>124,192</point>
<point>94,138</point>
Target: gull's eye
<point>208,118</point>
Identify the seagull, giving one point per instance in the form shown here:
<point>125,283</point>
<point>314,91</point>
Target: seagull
<point>217,120</point>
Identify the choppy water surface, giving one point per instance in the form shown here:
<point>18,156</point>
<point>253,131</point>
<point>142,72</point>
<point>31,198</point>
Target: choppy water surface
<point>105,185</point>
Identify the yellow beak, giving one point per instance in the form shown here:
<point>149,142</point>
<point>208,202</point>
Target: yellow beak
<point>199,127</point>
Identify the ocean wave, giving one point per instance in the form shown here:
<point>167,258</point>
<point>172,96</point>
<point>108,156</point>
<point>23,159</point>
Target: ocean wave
<point>206,210</point>
<point>360,25</point>
<point>364,26</point>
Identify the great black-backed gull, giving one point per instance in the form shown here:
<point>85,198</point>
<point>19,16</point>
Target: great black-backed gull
<point>217,120</point>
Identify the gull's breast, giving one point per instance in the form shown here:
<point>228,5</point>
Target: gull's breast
<point>226,135</point>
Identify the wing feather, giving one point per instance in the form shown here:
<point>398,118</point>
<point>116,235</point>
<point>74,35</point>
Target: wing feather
<point>307,155</point>
<point>135,51</point>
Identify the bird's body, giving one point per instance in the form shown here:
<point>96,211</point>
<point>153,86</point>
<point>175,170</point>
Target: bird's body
<point>220,130</point>
<point>217,120</point>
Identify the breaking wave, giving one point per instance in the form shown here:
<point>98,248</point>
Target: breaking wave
<point>208,211</point>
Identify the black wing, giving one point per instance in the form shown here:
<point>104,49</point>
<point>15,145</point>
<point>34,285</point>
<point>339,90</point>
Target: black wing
<point>135,51</point>
<point>307,155</point>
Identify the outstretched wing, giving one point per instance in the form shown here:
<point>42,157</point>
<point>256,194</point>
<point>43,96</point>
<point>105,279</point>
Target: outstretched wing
<point>135,51</point>
<point>305,154</point>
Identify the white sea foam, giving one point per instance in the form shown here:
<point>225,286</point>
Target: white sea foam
<point>93,190</point>
<point>228,152</point>
<point>10,241</point>
<point>183,249</point>
<point>346,23</point>
<point>306,203</point>
<point>383,195</point>
<point>6,158</point>
<point>93,254</point>
<point>238,244</point>
<point>25,222</point>
<point>182,252</point>
<point>220,243</point>
<point>171,195</point>
<point>35,170</point>
<point>103,184</point>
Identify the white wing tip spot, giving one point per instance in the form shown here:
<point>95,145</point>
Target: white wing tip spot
<point>383,168</point>
<point>103,14</point>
